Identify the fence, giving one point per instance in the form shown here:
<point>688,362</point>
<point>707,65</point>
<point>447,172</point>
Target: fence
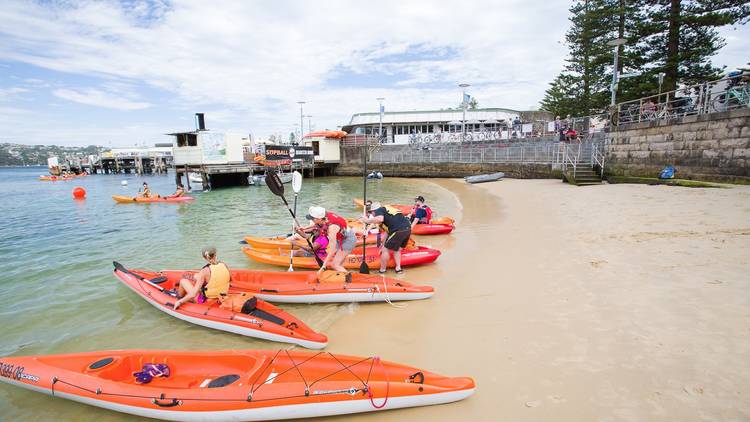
<point>726,94</point>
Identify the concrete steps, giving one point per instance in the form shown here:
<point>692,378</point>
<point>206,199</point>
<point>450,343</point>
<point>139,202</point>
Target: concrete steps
<point>585,176</point>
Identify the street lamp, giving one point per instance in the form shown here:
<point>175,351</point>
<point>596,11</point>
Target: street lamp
<point>380,110</point>
<point>463,103</point>
<point>616,43</point>
<point>301,122</point>
<point>309,123</point>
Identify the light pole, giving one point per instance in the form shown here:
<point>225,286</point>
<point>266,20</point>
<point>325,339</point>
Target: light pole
<point>380,110</point>
<point>301,121</point>
<point>463,103</point>
<point>616,43</point>
<point>661,81</point>
<point>309,123</point>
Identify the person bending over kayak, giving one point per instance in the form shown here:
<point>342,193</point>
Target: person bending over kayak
<point>399,231</point>
<point>210,282</point>
<point>319,245</point>
<point>421,213</point>
<point>341,238</point>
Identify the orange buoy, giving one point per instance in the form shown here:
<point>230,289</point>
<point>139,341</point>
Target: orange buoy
<point>79,192</point>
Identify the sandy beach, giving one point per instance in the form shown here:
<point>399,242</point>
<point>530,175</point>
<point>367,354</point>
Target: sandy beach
<point>606,303</point>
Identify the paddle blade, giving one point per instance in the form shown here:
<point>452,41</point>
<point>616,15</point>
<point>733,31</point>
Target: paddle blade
<point>274,183</point>
<point>296,181</point>
<point>364,268</point>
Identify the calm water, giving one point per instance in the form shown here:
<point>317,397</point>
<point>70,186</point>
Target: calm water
<point>57,291</point>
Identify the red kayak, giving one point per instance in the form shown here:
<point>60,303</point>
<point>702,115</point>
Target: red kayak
<point>430,229</point>
<point>416,256</point>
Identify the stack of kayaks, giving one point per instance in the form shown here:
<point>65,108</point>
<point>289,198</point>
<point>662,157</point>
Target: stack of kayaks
<point>135,199</point>
<point>233,385</point>
<point>416,256</point>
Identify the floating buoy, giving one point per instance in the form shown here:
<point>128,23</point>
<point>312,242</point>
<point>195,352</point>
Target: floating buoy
<point>79,192</point>
<point>124,183</point>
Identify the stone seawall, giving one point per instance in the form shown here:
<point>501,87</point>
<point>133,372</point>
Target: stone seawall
<point>707,147</point>
<point>520,171</point>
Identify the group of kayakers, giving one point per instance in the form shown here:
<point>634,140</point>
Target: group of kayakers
<point>331,240</point>
<point>145,192</point>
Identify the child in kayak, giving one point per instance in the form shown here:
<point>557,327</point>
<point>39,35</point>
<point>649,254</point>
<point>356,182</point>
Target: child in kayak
<point>421,213</point>
<point>319,243</point>
<point>210,282</point>
<point>146,192</point>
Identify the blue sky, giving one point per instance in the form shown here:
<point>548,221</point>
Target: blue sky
<point>125,73</point>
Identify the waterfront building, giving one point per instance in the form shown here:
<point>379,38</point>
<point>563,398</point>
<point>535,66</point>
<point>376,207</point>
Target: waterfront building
<point>398,126</point>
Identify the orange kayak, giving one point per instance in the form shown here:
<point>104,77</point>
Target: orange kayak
<point>280,242</point>
<point>442,225</point>
<point>309,287</point>
<point>416,256</point>
<point>232,385</point>
<point>54,178</point>
<point>264,321</point>
<point>130,199</point>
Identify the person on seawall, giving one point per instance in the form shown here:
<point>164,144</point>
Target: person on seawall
<point>399,232</point>
<point>421,213</point>
<point>211,282</point>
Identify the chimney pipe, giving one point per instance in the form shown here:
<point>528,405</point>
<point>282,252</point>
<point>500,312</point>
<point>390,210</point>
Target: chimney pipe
<point>201,122</point>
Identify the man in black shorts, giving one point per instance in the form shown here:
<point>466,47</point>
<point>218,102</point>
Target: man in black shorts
<point>399,231</point>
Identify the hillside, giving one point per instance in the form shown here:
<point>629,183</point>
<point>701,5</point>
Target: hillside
<point>19,155</point>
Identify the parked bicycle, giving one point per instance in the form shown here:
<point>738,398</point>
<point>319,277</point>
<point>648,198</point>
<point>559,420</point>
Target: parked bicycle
<point>735,97</point>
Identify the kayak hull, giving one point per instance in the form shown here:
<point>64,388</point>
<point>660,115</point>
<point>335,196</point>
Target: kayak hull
<point>484,178</point>
<point>409,257</point>
<point>310,287</point>
<point>130,199</point>
<point>431,229</point>
<point>282,243</point>
<point>210,315</point>
<point>260,385</point>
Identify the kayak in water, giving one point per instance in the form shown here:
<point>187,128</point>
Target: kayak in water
<point>231,385</point>
<point>309,286</point>
<point>256,318</point>
<point>130,199</point>
<point>409,257</point>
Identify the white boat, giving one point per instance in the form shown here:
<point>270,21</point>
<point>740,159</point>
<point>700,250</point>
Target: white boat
<point>196,181</point>
<point>260,179</point>
<point>482,178</point>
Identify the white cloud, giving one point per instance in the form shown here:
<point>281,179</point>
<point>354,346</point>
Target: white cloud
<point>100,99</point>
<point>8,93</point>
<point>253,60</point>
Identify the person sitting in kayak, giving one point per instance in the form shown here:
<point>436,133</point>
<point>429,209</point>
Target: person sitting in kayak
<point>319,245</point>
<point>399,232</point>
<point>180,191</point>
<point>210,282</point>
<point>146,192</point>
<point>421,213</point>
<point>341,237</point>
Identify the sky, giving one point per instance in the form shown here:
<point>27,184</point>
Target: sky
<point>125,73</point>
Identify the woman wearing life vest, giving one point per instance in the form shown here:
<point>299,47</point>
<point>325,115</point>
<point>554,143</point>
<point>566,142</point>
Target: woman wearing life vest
<point>399,231</point>
<point>341,238</point>
<point>319,244</point>
<point>210,282</point>
<point>421,213</point>
<point>146,192</point>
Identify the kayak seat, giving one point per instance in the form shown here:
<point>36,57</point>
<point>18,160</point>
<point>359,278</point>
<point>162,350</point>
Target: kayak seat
<point>268,317</point>
<point>223,381</point>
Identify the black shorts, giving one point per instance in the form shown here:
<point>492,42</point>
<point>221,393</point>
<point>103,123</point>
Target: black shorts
<point>398,239</point>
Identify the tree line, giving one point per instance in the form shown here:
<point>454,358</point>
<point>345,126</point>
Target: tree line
<point>676,37</point>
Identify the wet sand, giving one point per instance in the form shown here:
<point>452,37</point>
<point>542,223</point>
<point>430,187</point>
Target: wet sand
<point>606,303</point>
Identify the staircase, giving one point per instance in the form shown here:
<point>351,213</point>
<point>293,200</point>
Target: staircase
<point>578,162</point>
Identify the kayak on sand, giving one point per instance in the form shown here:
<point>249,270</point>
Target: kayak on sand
<point>309,287</point>
<point>130,199</point>
<point>417,256</point>
<point>231,385</point>
<point>435,227</point>
<point>259,319</point>
<point>281,242</point>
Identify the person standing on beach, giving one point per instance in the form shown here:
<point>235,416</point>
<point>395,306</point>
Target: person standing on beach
<point>341,238</point>
<point>399,232</point>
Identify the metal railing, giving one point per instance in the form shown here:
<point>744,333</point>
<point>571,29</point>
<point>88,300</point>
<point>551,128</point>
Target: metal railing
<point>598,157</point>
<point>709,97</point>
<point>532,153</point>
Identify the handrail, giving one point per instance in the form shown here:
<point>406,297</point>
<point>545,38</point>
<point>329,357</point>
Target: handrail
<point>597,157</point>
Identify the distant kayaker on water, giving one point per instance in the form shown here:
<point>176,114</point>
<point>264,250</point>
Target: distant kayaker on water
<point>146,192</point>
<point>209,283</point>
<point>180,191</point>
<point>399,231</point>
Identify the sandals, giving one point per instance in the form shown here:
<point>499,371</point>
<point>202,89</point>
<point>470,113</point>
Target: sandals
<point>400,271</point>
<point>382,271</point>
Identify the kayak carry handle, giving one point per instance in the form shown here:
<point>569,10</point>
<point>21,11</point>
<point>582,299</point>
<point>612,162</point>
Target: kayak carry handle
<point>172,403</point>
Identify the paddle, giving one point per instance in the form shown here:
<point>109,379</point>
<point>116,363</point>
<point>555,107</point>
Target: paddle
<point>363,267</point>
<point>153,282</point>
<point>296,187</point>
<point>274,183</point>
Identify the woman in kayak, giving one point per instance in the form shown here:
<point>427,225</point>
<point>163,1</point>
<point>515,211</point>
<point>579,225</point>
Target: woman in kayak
<point>146,192</point>
<point>180,191</point>
<point>210,282</point>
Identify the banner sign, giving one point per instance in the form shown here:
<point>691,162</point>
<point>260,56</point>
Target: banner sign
<point>298,154</point>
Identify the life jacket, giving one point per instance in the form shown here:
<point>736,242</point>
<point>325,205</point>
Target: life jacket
<point>336,220</point>
<point>427,210</point>
<point>219,282</point>
<point>390,209</point>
